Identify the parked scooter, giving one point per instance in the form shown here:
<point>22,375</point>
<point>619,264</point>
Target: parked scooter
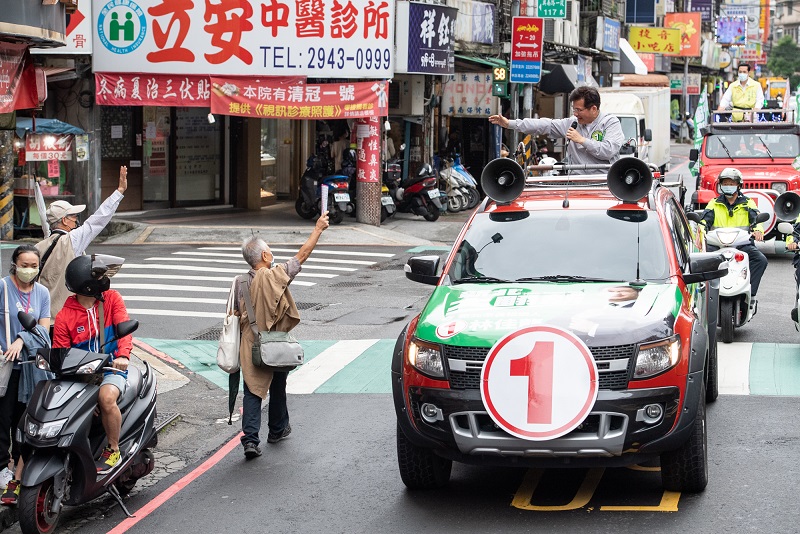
<point>734,288</point>
<point>417,194</point>
<point>61,436</point>
<point>308,204</point>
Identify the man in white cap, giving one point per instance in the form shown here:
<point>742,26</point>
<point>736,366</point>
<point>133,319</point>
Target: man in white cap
<point>57,250</point>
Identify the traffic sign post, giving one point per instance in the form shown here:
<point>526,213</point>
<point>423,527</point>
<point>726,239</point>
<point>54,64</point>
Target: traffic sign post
<point>526,49</point>
<point>551,9</point>
<point>539,383</point>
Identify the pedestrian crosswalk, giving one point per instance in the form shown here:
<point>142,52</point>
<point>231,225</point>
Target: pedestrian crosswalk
<point>195,282</point>
<point>362,366</point>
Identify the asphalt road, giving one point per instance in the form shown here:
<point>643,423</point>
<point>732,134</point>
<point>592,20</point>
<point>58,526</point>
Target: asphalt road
<point>337,472</point>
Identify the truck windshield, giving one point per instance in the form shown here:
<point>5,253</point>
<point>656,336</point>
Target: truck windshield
<point>560,244</point>
<point>749,145</point>
<point>629,128</point>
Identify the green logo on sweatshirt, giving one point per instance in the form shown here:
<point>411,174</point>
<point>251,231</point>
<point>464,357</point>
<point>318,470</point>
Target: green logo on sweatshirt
<point>597,135</point>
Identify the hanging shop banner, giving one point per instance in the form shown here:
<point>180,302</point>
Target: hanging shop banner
<point>47,146</point>
<point>763,21</point>
<point>753,53</point>
<point>137,89</point>
<point>705,8</point>
<point>429,30</point>
<point>676,83</point>
<point>655,40</point>
<point>732,30</point>
<point>526,49</point>
<point>469,95</point>
<point>294,98</point>
<point>689,26</point>
<point>78,35</point>
<point>319,38</point>
<point>368,150</point>
<point>17,78</point>
<point>475,21</point>
<point>608,31</point>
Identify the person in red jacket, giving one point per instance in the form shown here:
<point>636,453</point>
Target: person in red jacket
<point>85,322</point>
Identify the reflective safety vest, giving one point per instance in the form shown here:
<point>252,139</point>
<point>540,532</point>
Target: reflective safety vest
<point>743,97</point>
<point>720,214</point>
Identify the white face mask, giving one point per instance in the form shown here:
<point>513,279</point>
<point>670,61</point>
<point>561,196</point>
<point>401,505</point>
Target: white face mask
<point>743,77</point>
<point>728,190</point>
<point>27,274</point>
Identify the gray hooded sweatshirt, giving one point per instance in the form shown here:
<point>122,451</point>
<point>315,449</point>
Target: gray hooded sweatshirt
<point>604,138</point>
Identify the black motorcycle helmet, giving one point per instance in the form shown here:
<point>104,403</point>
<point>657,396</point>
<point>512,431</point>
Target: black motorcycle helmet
<point>91,275</point>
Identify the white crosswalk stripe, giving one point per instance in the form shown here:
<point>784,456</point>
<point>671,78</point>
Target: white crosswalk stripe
<point>208,273</point>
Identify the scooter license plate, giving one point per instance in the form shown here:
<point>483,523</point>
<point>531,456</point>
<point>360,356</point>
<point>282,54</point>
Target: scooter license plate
<point>433,193</point>
<point>341,197</point>
<point>387,201</point>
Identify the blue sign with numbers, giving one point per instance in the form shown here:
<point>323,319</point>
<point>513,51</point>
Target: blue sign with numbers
<point>611,31</point>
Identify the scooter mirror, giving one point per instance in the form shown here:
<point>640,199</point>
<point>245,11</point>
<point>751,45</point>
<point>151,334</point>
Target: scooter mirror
<point>126,328</point>
<point>27,321</point>
<point>783,227</point>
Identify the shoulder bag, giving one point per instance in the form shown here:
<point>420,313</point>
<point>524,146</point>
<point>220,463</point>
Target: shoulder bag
<point>229,338</point>
<point>278,351</point>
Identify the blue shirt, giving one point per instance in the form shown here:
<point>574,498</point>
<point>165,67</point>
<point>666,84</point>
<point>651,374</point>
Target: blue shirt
<point>36,302</point>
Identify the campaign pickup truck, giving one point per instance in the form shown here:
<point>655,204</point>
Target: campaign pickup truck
<point>763,151</point>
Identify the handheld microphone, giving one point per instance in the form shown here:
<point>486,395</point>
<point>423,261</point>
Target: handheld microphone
<point>574,125</point>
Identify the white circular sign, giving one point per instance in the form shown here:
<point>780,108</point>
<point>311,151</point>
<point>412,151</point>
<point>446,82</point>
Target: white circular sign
<point>765,205</point>
<point>539,383</point>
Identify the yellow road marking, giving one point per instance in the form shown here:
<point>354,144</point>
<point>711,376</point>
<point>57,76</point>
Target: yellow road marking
<point>522,499</point>
<point>669,503</point>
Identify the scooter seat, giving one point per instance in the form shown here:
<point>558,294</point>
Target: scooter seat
<point>134,383</point>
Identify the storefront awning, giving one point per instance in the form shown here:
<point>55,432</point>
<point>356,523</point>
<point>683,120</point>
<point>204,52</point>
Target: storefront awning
<point>58,74</point>
<point>563,79</point>
<point>53,126</point>
<point>477,64</point>
<point>647,80</point>
<point>630,62</point>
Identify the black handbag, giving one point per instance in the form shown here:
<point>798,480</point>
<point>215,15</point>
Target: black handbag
<point>278,351</point>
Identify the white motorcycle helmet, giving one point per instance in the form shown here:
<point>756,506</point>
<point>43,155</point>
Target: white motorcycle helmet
<point>730,173</point>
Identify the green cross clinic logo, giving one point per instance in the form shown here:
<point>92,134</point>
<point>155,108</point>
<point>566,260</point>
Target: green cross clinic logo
<point>597,135</point>
<point>121,26</point>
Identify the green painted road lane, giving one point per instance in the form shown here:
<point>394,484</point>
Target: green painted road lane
<point>745,368</point>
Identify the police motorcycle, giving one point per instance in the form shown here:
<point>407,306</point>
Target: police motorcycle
<point>61,436</point>
<point>735,308</point>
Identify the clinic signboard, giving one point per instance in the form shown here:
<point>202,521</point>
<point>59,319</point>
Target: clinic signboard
<point>321,39</point>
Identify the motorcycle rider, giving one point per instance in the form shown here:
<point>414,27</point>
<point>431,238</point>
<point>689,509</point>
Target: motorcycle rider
<point>733,209</point>
<point>85,322</point>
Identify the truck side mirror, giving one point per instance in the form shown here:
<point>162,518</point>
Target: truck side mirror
<point>693,155</point>
<point>648,135</point>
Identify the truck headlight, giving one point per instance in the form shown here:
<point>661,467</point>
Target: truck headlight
<point>780,187</point>
<point>657,357</point>
<point>426,357</point>
<point>35,429</point>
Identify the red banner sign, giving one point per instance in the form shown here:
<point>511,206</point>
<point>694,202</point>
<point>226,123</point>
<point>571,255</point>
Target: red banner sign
<point>45,147</point>
<point>17,78</point>
<point>295,98</point>
<point>368,143</point>
<point>136,89</point>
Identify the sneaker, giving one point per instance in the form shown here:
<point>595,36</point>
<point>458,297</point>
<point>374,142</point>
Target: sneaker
<point>251,450</point>
<point>108,459</point>
<point>794,314</point>
<point>275,438</point>
<point>11,495</point>
<point>6,476</point>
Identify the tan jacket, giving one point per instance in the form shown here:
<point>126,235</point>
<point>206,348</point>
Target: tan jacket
<point>275,309</point>
<point>54,273</point>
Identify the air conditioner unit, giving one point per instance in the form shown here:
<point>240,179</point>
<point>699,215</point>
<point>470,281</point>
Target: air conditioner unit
<point>576,13</point>
<point>407,95</point>
<point>554,30</point>
<point>570,33</point>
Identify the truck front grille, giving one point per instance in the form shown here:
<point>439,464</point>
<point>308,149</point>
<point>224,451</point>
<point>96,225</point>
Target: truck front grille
<point>471,377</point>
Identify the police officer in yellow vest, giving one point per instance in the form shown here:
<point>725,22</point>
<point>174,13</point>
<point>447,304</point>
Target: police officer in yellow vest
<point>733,209</point>
<point>744,93</point>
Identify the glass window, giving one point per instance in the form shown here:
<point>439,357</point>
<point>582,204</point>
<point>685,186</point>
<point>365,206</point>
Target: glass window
<point>156,160</point>
<point>592,244</point>
<point>197,156</point>
<point>628,127</point>
<point>753,145</point>
<point>269,155</point>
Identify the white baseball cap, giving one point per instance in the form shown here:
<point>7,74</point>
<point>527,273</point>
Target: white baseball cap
<point>60,209</point>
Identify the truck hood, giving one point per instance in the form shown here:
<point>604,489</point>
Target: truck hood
<point>480,314</point>
<point>761,170</point>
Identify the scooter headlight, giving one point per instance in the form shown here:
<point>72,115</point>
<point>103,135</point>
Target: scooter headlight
<point>48,430</point>
<point>426,357</point>
<point>89,368</point>
<point>654,358</point>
